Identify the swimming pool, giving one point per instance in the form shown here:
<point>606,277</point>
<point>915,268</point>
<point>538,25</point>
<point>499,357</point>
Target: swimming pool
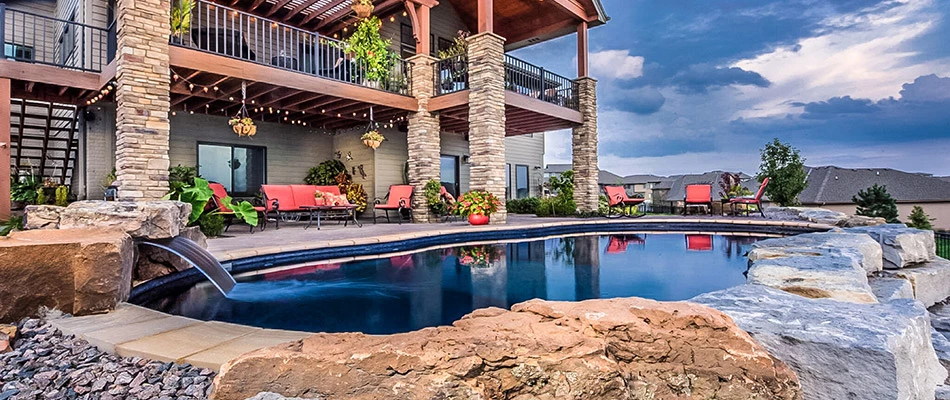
<point>405,292</point>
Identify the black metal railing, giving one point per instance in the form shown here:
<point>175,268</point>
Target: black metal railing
<point>943,243</point>
<point>531,80</point>
<point>225,31</point>
<point>34,38</point>
<point>451,75</point>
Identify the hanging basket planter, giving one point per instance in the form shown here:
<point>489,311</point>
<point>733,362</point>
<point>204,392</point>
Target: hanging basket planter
<point>372,139</point>
<point>243,127</point>
<point>363,8</point>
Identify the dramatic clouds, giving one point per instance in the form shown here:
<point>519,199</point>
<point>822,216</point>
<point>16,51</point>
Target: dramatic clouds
<point>702,77</point>
<point>615,64</point>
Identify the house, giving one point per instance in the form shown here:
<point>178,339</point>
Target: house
<point>671,191</point>
<point>642,185</point>
<point>833,188</point>
<point>103,85</point>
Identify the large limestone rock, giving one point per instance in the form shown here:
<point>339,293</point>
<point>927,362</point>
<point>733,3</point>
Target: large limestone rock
<point>809,214</point>
<point>819,273</point>
<point>902,246</point>
<point>940,318</point>
<point>930,281</point>
<point>887,289</point>
<point>840,350</point>
<point>78,271</point>
<point>942,347</point>
<point>866,251</point>
<point>860,220</point>
<point>151,219</point>
<point>597,349</point>
<point>42,217</point>
<point>152,262</point>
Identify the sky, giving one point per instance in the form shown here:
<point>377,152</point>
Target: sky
<point>695,86</point>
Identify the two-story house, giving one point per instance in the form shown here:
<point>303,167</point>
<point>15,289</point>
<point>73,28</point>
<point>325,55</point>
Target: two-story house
<point>91,85</point>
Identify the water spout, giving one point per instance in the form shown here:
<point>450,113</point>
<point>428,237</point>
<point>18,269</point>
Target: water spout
<point>199,258</point>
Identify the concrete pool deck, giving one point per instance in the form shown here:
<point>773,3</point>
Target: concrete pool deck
<point>134,331</point>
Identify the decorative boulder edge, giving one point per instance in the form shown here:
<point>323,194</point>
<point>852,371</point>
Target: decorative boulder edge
<point>148,219</point>
<point>42,216</point>
<point>902,246</point>
<point>840,350</point>
<point>626,348</point>
<point>809,214</point>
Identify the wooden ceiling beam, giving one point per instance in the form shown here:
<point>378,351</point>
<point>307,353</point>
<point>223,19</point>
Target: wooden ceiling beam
<point>340,19</point>
<point>276,7</point>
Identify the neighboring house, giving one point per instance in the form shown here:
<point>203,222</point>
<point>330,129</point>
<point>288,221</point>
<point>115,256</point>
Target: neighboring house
<point>642,185</point>
<point>833,188</point>
<point>87,97</point>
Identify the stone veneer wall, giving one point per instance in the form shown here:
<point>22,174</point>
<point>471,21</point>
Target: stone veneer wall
<point>423,136</point>
<point>486,102</point>
<point>142,96</point>
<point>584,148</point>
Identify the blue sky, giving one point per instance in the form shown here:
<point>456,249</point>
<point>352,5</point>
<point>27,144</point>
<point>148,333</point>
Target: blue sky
<point>703,85</point>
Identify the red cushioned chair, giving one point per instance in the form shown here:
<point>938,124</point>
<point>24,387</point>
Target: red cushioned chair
<point>698,196</point>
<point>398,199</point>
<point>699,242</point>
<point>618,202</point>
<point>217,199</point>
<point>747,201</point>
<point>278,199</point>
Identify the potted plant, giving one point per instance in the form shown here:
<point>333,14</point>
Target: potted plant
<point>371,51</point>
<point>456,57</point>
<point>433,193</point>
<point>243,126</point>
<point>372,139</point>
<point>478,205</point>
<point>363,8</point>
<point>181,19</point>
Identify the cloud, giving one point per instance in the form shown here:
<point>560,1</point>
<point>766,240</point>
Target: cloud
<point>643,101</point>
<point>702,77</point>
<point>837,106</point>
<point>615,64</point>
<point>926,88</point>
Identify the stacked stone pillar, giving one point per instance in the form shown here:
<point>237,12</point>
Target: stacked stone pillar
<point>423,137</point>
<point>486,102</point>
<point>142,99</point>
<point>584,148</point>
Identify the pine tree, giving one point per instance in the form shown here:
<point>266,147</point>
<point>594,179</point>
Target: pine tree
<point>919,219</point>
<point>876,202</point>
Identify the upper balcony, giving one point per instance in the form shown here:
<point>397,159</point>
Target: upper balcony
<point>522,77</point>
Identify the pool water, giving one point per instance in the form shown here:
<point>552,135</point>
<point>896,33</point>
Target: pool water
<point>407,292</point>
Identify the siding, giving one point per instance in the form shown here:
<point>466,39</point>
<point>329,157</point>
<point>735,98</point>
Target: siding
<point>444,23</point>
<point>97,152</point>
<point>350,143</point>
<point>527,150</point>
<point>390,162</point>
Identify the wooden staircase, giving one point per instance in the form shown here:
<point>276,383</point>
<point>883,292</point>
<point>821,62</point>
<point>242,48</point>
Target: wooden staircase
<point>44,139</point>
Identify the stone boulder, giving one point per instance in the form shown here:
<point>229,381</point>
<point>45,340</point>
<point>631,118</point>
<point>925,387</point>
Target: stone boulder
<point>887,289</point>
<point>840,350</point>
<point>860,220</point>
<point>7,337</point>
<point>77,271</point>
<point>625,348</point>
<point>150,219</point>
<point>866,251</point>
<point>942,347</point>
<point>902,245</point>
<point>809,214</point>
<point>818,273</point>
<point>930,280</point>
<point>152,262</point>
<point>42,216</point>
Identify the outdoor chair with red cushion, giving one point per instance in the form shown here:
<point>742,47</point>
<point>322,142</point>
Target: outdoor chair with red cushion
<point>398,199</point>
<point>618,202</point>
<point>699,242</point>
<point>747,201</point>
<point>217,199</point>
<point>278,199</point>
<point>698,196</point>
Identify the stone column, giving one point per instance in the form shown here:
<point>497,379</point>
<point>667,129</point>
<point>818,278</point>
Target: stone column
<point>486,104</point>
<point>423,136</point>
<point>584,148</point>
<point>142,99</point>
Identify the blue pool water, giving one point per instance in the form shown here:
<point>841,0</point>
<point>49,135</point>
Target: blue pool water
<point>408,292</point>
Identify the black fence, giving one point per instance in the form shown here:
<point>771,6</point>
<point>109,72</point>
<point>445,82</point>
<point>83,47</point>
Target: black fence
<point>531,80</point>
<point>34,38</point>
<point>451,75</point>
<point>943,243</point>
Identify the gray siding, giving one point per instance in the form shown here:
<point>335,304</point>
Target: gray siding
<point>97,152</point>
<point>527,150</point>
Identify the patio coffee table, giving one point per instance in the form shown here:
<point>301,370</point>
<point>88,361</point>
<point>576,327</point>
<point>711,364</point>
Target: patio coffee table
<point>320,211</point>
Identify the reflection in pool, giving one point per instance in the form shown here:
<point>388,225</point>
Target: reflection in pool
<point>407,292</point>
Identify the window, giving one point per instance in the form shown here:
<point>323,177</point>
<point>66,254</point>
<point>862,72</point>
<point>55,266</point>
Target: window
<point>241,169</point>
<point>521,181</point>
<point>407,41</point>
<point>445,44</point>
<point>17,52</point>
<point>67,41</point>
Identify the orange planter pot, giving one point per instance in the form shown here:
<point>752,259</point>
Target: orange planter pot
<point>478,219</point>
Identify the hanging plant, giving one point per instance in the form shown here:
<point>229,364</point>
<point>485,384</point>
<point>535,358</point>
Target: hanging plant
<point>370,50</point>
<point>363,8</point>
<point>243,126</point>
<point>372,139</point>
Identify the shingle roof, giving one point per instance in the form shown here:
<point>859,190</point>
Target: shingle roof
<point>557,168</point>
<point>834,185</point>
<point>639,179</point>
<point>609,178</point>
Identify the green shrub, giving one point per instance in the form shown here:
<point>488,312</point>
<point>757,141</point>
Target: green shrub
<point>13,224</point>
<point>876,202</point>
<point>433,193</point>
<point>919,219</point>
<point>180,177</point>
<point>325,174</point>
<point>527,205</point>
<point>557,206</point>
<point>62,196</point>
<point>211,224</point>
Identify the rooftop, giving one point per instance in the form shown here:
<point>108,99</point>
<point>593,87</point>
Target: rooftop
<point>835,185</point>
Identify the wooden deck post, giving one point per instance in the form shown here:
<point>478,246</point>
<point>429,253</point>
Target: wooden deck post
<point>4,149</point>
<point>486,21</point>
<point>582,49</point>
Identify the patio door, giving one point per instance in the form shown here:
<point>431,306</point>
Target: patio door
<point>449,171</point>
<point>241,169</point>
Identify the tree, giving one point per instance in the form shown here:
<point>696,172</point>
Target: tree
<point>785,169</point>
<point>919,219</point>
<point>876,202</point>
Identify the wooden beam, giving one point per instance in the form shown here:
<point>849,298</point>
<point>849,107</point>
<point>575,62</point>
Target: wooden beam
<point>582,50</point>
<point>69,146</point>
<point>338,20</point>
<point>423,41</point>
<point>49,75</point>
<point>257,3</point>
<point>486,19</point>
<point>5,149</point>
<point>198,60</point>
<point>277,6</point>
<point>532,104</point>
<point>572,7</point>
<point>448,100</point>
<point>49,122</point>
<point>320,11</point>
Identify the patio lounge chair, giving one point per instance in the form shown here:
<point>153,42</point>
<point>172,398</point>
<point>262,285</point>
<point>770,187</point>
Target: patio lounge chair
<point>747,201</point>
<point>398,199</point>
<point>699,242</point>
<point>698,196</point>
<point>618,201</point>
<point>217,201</point>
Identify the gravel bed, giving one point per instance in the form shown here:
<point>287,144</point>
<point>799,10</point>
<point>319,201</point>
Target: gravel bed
<point>45,364</point>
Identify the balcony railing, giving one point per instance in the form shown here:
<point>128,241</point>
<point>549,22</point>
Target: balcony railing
<point>451,75</point>
<point>33,38</point>
<point>531,80</point>
<point>225,31</point>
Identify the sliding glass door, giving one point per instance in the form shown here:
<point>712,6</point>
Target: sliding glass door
<point>241,169</point>
<point>449,172</point>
